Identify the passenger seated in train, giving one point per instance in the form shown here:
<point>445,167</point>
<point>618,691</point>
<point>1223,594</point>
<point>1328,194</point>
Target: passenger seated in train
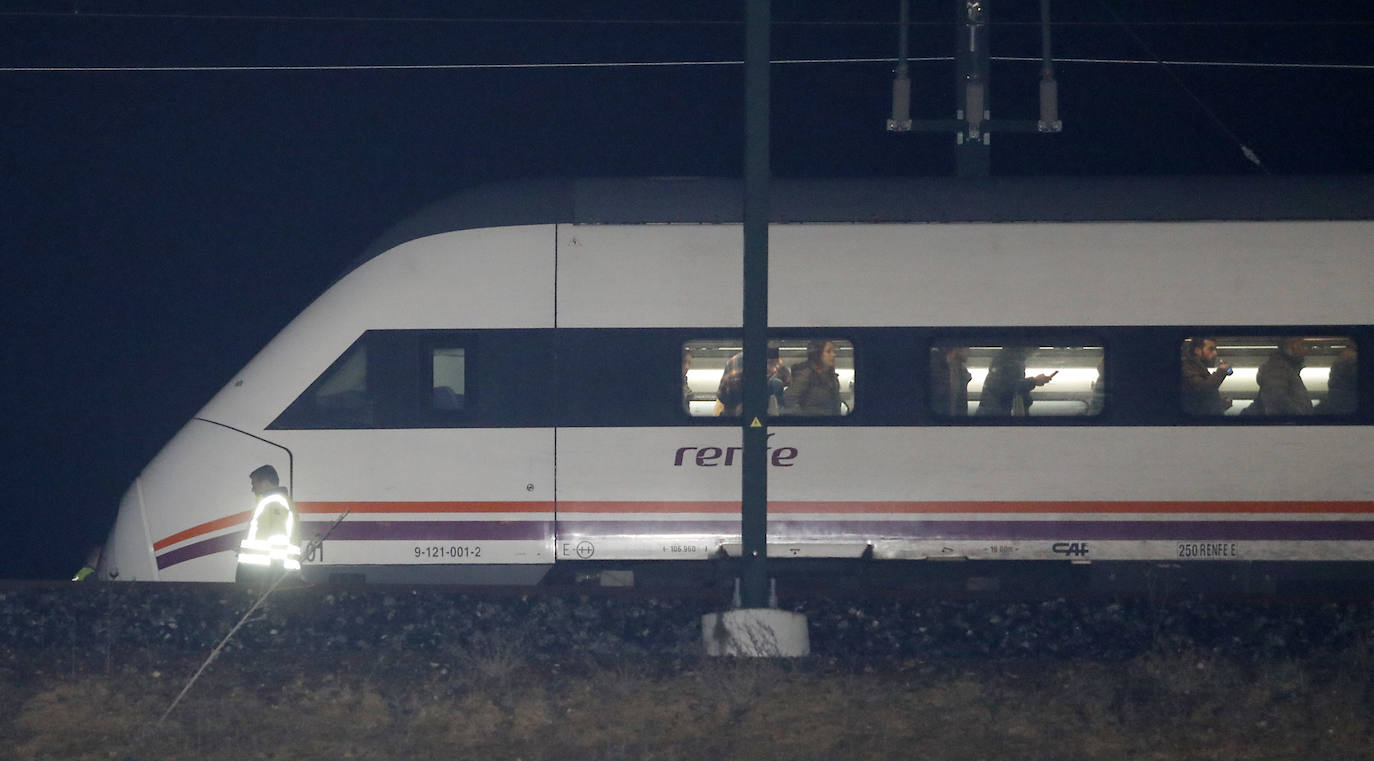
<point>1281,390</point>
<point>815,387</point>
<point>1342,385</point>
<point>949,379</point>
<point>730,392</point>
<point>1201,387</point>
<point>1006,389</point>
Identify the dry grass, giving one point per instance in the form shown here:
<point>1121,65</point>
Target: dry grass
<point>487,701</point>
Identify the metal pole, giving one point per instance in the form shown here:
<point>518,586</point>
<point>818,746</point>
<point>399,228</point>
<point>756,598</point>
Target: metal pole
<point>1049,88</point>
<point>754,486</point>
<point>901,83</point>
<point>1047,61</point>
<point>972,68</point>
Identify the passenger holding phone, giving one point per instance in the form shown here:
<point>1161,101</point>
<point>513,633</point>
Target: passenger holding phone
<point>1007,389</point>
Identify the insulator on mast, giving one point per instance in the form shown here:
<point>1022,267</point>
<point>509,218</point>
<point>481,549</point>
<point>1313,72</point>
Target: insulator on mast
<point>901,83</point>
<point>1049,88</point>
<point>975,96</point>
<point>901,103</point>
<point>1049,104</point>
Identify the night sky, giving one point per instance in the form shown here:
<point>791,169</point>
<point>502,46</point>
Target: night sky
<point>157,228</point>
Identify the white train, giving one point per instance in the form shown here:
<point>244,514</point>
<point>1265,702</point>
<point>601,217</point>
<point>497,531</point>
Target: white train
<point>500,384</point>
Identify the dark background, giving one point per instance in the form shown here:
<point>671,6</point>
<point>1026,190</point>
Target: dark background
<point>157,228</point>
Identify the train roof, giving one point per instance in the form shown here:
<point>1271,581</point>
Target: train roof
<point>892,200</point>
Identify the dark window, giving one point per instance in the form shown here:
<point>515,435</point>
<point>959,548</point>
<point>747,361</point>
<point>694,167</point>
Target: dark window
<point>389,379</point>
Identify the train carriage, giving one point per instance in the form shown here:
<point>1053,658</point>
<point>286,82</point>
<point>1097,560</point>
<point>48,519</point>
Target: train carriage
<point>531,374</point>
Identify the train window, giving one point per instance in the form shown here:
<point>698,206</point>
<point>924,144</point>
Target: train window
<point>1014,379</point>
<point>1268,375</point>
<point>448,378</point>
<point>340,398</point>
<point>807,376</point>
<point>344,388</point>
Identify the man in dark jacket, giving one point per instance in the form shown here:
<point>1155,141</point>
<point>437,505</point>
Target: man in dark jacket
<point>1281,390</point>
<point>1006,389</point>
<point>1342,385</point>
<point>1201,388</point>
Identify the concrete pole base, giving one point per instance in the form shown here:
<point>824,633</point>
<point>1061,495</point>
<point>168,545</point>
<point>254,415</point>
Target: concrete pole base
<point>756,633</point>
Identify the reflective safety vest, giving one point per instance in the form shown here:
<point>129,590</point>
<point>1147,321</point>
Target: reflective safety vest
<point>273,535</point>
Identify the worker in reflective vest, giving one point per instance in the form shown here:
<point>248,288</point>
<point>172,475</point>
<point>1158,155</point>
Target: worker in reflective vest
<point>272,545</point>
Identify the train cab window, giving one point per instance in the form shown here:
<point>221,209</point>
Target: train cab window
<point>340,398</point>
<point>448,378</point>
<point>1014,379</point>
<point>1268,375</point>
<point>807,376</point>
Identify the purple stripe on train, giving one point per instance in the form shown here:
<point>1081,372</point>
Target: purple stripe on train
<point>994,530</point>
<point>369,530</point>
<point>466,530</point>
<point>199,549</point>
<point>810,530</point>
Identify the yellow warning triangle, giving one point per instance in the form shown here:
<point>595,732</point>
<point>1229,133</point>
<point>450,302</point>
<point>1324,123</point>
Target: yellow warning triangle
<point>756,424</point>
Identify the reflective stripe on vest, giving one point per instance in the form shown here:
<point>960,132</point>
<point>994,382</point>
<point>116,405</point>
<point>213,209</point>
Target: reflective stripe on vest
<point>277,547</point>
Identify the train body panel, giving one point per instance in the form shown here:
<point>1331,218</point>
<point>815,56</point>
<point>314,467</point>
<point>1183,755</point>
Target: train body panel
<point>876,275</point>
<point>427,496</point>
<point>647,493</point>
<point>1078,274</point>
<point>637,276</point>
<point>478,404</point>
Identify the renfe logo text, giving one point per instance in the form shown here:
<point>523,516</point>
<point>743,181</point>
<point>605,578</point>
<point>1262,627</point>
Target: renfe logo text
<point>710,457</point>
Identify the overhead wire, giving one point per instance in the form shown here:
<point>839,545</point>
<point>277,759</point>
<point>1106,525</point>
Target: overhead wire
<point>1168,66</point>
<point>684,63</point>
<point>77,13</point>
<point>1220,64</point>
<point>442,66</point>
<point>276,17</point>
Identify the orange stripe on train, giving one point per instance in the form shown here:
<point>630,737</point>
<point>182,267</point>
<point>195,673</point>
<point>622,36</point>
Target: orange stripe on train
<point>973,507</point>
<point>792,507</point>
<point>336,508</point>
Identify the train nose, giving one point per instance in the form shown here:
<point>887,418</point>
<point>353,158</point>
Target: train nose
<point>128,552</point>
<point>183,517</point>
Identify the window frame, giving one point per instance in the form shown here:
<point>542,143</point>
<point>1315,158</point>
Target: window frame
<point>686,338</point>
<point>1267,335</point>
<point>305,413</point>
<point>1060,338</point>
<point>428,343</point>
